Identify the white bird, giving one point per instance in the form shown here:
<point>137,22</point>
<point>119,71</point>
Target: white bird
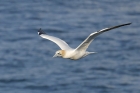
<point>79,52</point>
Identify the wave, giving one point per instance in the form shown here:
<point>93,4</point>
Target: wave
<point>13,80</point>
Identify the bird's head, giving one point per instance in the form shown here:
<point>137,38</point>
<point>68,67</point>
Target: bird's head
<point>59,53</point>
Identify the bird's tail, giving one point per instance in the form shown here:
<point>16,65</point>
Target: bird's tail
<point>91,52</point>
<point>87,53</point>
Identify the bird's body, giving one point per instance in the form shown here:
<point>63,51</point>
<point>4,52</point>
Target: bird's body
<point>79,52</point>
<point>72,54</point>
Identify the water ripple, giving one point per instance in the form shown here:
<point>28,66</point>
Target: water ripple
<point>13,80</point>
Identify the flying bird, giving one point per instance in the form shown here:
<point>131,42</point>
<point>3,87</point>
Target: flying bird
<point>81,51</point>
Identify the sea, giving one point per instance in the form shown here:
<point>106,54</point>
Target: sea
<point>26,60</point>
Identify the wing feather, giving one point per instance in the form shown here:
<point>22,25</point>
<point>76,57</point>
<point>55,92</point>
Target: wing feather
<point>62,44</point>
<point>84,45</point>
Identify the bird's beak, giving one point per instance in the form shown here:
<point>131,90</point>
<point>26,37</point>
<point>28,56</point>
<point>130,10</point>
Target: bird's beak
<point>55,55</point>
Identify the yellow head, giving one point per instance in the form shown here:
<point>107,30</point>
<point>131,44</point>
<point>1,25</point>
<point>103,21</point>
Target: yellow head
<point>59,53</point>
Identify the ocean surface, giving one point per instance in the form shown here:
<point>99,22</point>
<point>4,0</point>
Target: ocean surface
<point>26,63</point>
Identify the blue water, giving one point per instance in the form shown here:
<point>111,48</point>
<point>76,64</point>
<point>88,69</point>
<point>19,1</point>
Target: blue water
<point>26,63</point>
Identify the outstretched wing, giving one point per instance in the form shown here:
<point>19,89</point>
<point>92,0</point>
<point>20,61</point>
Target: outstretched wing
<point>84,45</point>
<point>62,44</point>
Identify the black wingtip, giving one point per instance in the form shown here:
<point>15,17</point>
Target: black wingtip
<point>40,31</point>
<point>123,25</point>
<point>128,23</point>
